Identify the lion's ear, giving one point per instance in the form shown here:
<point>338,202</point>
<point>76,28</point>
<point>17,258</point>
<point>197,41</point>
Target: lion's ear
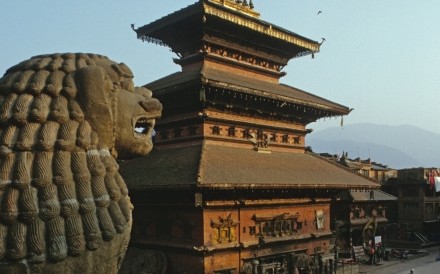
<point>94,97</point>
<point>123,70</point>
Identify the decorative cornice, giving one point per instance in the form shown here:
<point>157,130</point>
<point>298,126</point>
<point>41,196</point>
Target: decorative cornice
<point>240,57</point>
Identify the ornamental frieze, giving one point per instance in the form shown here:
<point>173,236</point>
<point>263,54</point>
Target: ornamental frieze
<point>242,57</point>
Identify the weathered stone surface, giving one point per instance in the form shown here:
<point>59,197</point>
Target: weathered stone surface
<point>64,118</point>
<point>144,261</point>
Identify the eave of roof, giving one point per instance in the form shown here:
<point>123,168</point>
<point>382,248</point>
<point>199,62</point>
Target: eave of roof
<point>213,9</point>
<point>271,90</point>
<point>261,26</point>
<point>146,30</point>
<point>219,167</point>
<point>228,80</point>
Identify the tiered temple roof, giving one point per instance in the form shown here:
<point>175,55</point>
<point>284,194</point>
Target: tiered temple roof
<point>214,166</point>
<point>225,47</point>
<point>231,65</point>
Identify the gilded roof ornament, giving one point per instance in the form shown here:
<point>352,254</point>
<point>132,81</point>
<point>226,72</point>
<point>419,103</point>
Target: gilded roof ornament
<point>241,6</point>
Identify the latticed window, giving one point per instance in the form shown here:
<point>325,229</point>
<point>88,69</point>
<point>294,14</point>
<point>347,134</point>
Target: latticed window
<point>216,130</point>
<point>246,133</point>
<point>277,226</point>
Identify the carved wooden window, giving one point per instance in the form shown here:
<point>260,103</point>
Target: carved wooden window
<point>231,131</point>
<point>246,133</point>
<point>277,226</point>
<point>356,212</point>
<point>285,138</point>
<point>297,140</point>
<point>273,137</point>
<point>380,211</point>
<point>252,230</point>
<point>216,130</point>
<point>286,227</point>
<point>267,229</point>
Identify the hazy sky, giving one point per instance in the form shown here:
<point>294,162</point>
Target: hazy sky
<point>380,57</point>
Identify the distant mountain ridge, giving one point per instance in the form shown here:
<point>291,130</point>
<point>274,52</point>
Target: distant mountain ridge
<point>398,147</point>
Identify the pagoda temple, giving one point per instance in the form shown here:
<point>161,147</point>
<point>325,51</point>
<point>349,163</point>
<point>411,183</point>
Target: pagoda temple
<point>230,186</point>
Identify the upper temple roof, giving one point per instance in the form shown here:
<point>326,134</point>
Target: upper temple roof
<point>233,60</point>
<point>217,21</point>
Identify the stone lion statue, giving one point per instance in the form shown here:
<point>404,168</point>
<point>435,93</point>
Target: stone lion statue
<point>64,118</point>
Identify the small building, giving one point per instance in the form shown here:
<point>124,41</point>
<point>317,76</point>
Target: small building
<point>366,167</point>
<point>360,215</point>
<point>229,186</point>
<point>418,203</point>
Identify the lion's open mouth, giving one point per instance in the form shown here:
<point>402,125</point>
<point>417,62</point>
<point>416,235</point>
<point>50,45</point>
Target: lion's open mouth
<point>143,127</point>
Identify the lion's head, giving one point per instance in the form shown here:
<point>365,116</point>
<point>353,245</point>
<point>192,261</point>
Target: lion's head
<point>63,120</point>
<point>121,115</point>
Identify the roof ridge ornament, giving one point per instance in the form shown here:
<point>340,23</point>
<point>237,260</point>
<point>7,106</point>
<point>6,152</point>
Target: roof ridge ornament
<point>241,6</point>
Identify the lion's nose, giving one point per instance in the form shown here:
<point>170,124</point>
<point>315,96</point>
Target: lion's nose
<point>153,107</point>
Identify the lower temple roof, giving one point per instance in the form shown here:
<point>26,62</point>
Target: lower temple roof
<point>220,167</point>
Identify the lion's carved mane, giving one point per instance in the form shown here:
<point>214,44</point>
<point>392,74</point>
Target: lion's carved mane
<point>60,190</point>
